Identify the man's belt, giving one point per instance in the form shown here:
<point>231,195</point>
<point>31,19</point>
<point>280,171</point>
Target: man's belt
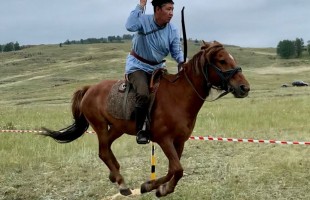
<point>133,53</point>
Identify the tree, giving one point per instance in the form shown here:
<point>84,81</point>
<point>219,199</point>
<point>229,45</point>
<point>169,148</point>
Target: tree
<point>299,43</point>
<point>104,40</point>
<point>308,47</point>
<point>118,38</point>
<point>17,46</point>
<point>1,48</point>
<point>127,37</point>
<point>286,49</point>
<point>67,42</point>
<point>8,47</point>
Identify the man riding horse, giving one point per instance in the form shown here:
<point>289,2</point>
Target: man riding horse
<point>179,97</point>
<point>155,38</point>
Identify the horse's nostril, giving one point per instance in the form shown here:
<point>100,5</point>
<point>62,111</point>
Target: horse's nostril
<point>244,88</point>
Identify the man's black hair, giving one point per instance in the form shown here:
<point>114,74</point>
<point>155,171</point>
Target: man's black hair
<point>161,2</point>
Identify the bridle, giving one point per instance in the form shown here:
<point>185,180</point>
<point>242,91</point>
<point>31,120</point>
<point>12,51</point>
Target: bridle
<point>225,76</point>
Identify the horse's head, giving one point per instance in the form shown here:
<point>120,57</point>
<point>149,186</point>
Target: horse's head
<point>221,70</point>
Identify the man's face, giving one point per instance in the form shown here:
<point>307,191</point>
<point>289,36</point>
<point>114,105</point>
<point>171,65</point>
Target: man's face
<point>165,13</point>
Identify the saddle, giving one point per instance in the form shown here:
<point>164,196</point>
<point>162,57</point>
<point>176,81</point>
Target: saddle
<point>122,97</point>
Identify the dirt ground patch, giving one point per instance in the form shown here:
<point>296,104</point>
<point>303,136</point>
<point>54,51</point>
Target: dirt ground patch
<point>281,70</point>
<point>265,53</point>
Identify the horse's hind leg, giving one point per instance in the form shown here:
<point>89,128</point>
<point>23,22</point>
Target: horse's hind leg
<point>106,137</point>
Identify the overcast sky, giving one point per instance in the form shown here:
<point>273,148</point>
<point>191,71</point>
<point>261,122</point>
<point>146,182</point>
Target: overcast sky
<point>247,23</point>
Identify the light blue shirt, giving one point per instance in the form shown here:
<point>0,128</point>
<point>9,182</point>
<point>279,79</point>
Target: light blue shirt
<point>151,42</point>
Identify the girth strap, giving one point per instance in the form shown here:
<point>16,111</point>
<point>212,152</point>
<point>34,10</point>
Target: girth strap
<point>128,85</point>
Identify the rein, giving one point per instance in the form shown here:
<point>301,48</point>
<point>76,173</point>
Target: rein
<point>193,87</point>
<point>204,99</point>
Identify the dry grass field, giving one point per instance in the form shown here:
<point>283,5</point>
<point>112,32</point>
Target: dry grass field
<point>36,86</point>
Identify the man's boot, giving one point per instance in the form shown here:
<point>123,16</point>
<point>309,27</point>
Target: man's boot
<point>143,136</point>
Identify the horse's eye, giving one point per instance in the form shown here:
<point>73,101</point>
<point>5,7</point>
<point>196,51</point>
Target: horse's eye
<point>222,62</point>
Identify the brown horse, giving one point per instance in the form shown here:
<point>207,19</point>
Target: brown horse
<point>173,114</point>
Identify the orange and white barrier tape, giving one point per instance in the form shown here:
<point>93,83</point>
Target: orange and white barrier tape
<point>208,138</point>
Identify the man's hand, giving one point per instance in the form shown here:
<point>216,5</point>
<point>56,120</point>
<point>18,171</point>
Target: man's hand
<point>143,3</point>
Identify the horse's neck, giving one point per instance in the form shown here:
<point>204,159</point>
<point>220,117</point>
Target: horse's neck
<point>196,81</point>
<point>189,91</point>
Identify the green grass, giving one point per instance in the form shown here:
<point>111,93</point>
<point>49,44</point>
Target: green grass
<point>36,87</point>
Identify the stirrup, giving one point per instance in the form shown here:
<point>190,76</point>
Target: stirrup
<point>143,137</point>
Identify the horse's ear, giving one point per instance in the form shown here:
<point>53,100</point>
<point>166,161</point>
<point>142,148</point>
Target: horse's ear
<point>205,45</point>
<point>216,42</point>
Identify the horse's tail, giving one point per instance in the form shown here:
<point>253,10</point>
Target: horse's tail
<point>78,128</point>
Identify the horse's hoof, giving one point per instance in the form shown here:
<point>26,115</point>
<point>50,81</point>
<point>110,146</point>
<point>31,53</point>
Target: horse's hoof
<point>146,187</point>
<point>143,189</point>
<point>161,191</point>
<point>158,194</point>
<point>125,192</point>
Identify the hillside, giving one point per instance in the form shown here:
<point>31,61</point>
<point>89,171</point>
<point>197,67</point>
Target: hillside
<point>49,73</point>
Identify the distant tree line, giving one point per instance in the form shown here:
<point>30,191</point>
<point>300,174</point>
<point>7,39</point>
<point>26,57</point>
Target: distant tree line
<point>116,39</point>
<point>11,46</point>
<point>285,49</point>
<point>292,48</point>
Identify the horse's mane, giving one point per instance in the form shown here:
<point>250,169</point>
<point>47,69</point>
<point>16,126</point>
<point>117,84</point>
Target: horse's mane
<point>204,56</point>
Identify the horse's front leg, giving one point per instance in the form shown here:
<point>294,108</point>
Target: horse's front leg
<point>166,184</point>
<point>154,184</point>
<point>176,168</point>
